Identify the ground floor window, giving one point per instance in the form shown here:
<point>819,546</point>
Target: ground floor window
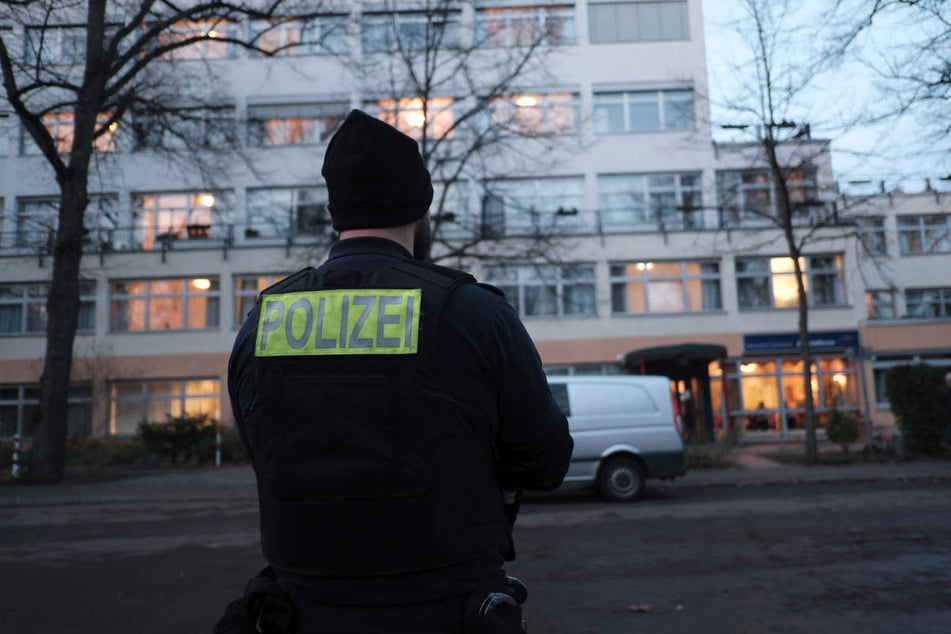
<point>769,394</point>
<point>133,402</point>
<point>20,410</point>
<point>883,364</point>
<point>580,369</point>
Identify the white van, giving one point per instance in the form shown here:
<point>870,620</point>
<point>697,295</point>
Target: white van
<point>626,429</point>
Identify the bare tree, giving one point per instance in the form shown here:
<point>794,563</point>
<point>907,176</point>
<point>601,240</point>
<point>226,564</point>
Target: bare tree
<point>777,73</point>
<point>466,95</point>
<point>88,79</point>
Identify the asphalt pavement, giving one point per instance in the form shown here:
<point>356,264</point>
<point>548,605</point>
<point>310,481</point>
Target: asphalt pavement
<point>751,467</point>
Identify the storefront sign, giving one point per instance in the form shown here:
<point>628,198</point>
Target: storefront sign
<point>789,342</point>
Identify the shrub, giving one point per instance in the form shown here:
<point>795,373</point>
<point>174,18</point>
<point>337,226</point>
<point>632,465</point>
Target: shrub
<point>915,393</point>
<point>105,451</point>
<point>842,429</point>
<point>188,438</point>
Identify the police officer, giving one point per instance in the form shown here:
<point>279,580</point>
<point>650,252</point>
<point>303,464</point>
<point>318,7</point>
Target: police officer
<point>387,404</point>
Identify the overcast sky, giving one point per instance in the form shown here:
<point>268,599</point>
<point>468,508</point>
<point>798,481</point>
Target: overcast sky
<point>830,105</point>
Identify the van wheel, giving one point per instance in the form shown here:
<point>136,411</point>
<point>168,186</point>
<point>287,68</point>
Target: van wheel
<point>621,479</point>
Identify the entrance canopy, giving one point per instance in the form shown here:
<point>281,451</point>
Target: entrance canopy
<point>683,356</point>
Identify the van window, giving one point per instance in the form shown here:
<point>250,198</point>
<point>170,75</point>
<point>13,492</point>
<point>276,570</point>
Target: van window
<point>592,399</point>
<point>560,392</point>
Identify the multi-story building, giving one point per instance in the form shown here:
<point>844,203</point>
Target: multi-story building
<point>664,260</point>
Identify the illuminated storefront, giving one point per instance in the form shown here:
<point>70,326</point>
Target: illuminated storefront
<point>764,392</point>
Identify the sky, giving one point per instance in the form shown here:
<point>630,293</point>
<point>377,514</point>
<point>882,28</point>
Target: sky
<point>834,103</point>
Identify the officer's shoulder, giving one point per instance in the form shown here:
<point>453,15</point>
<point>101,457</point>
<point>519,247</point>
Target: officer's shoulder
<point>286,283</point>
<point>441,275</point>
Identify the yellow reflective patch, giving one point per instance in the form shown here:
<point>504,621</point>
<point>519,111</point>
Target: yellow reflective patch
<point>365,321</point>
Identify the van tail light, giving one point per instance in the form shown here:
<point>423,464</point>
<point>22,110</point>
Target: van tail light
<point>675,405</point>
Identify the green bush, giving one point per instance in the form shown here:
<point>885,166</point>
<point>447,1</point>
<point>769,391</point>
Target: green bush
<point>188,438</point>
<point>842,429</point>
<point>105,451</point>
<point>915,393</point>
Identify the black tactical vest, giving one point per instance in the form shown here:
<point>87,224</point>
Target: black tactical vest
<point>365,465</point>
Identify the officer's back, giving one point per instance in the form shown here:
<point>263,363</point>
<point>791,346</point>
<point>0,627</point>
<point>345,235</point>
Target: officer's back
<point>386,403</point>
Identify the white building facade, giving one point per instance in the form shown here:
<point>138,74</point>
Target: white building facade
<point>664,262</point>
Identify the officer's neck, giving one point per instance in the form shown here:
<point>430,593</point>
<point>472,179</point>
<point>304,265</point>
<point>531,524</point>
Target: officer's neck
<point>402,235</point>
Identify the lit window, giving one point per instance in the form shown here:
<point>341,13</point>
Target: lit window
<point>880,304</point>
<point>546,290</point>
<point>165,305</point>
<point>205,39</point>
<point>282,211</point>
<point>61,126</point>
<point>771,282</point>
<point>665,287</point>
<point>410,31</point>
<point>292,124</point>
<point>923,303</point>
<point>642,202</point>
<point>290,36</point>
<point>134,402</point>
<point>246,290</point>
<point>919,235</point>
<point>23,307</point>
<point>536,114</point>
<point>525,26</point>
<point>409,116</point>
<point>643,111</point>
<point>179,216</point>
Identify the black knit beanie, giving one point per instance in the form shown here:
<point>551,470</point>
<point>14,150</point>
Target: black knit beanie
<point>375,175</point>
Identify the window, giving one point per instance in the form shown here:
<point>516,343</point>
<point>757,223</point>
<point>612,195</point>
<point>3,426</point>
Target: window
<point>5,127</point>
<point>61,126</point>
<point>650,201</point>
<point>536,114</point>
<point>37,217</point>
<point>771,282</point>
<point>922,303</point>
<point>525,26</point>
<point>44,45</point>
<point>643,111</point>
<point>665,287</point>
<point>749,198</point>
<point>288,36</point>
<point>638,21</point>
<point>165,304</point>
<point>410,31</point>
<point>918,235</point>
<point>880,304</point>
<point>278,212</point>
<point>547,291</point>
<point>410,117</point>
<point>179,216</point>
<point>246,289</point>
<point>20,410</point>
<point>515,206</point>
<point>205,37</point>
<point>186,128</point>
<point>131,403</point>
<point>291,124</point>
<point>23,308</point>
<point>871,231</point>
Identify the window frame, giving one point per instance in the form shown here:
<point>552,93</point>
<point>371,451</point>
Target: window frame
<point>685,216</point>
<point>264,211</point>
<point>406,114</point>
<point>507,113</point>
<point>118,299</point>
<point>880,304</point>
<point>542,18</point>
<point>310,38</point>
<point>775,271</point>
<point>395,30</point>
<point>735,187</point>
<point>941,304</point>
<point>31,297</point>
<point>146,399</point>
<point>602,100</point>
<point>636,13</point>
<point>150,231</point>
<point>644,278</point>
<point>918,236</point>
<point>243,296</point>
<point>323,118</point>
<point>27,399</point>
<point>516,281</point>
